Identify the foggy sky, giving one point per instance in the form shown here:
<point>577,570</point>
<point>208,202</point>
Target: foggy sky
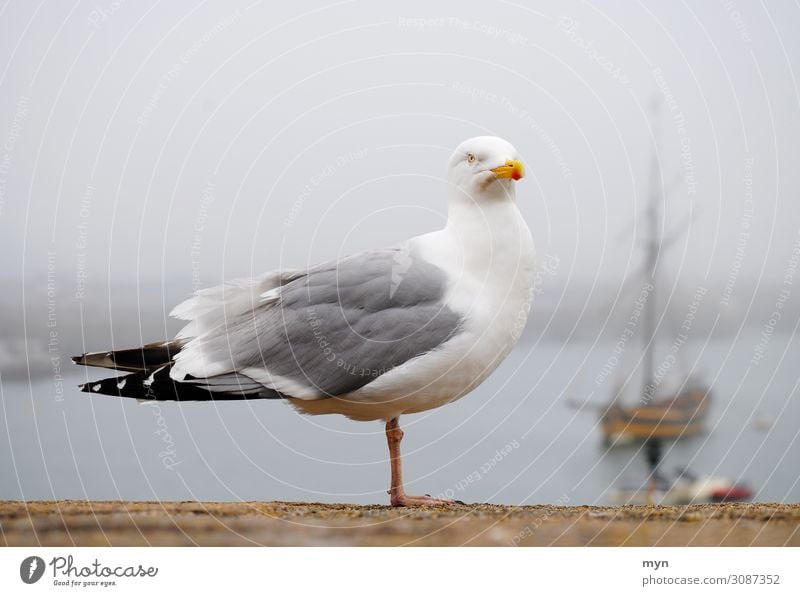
<point>147,141</point>
<point>151,148</point>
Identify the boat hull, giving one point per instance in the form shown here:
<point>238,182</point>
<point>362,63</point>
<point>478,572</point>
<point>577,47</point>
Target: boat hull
<point>665,418</point>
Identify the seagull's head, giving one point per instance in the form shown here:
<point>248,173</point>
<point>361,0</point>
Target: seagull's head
<point>485,167</point>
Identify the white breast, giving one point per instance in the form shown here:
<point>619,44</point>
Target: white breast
<point>490,262</point>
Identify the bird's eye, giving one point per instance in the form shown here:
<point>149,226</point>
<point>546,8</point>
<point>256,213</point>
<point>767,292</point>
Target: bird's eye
<point>470,158</point>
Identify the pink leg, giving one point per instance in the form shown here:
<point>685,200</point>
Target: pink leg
<point>397,495</point>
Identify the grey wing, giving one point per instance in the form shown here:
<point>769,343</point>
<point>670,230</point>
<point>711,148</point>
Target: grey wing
<point>332,330</point>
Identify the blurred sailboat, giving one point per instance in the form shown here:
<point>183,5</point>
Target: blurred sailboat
<point>666,405</point>
<point>667,417</point>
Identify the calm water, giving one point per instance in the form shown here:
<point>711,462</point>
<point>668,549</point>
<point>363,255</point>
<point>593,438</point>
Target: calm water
<point>514,440</point>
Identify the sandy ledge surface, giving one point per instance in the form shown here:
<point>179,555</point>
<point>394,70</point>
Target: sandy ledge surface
<point>138,523</point>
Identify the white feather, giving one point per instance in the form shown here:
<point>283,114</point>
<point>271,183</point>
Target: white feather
<point>211,307</point>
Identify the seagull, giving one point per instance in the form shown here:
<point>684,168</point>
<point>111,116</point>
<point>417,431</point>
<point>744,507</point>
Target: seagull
<point>371,336</point>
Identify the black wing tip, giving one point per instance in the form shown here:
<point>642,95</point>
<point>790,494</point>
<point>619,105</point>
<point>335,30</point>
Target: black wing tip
<point>157,387</point>
<point>102,387</point>
<point>144,358</point>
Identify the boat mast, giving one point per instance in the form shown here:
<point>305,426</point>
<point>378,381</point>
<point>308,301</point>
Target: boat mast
<point>652,247</point>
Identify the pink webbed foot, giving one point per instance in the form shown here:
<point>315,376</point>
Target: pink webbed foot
<point>404,500</point>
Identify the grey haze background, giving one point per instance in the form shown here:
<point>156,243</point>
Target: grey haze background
<point>151,148</point>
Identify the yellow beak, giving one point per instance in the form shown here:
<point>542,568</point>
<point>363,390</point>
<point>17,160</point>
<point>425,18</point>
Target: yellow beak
<point>512,169</point>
